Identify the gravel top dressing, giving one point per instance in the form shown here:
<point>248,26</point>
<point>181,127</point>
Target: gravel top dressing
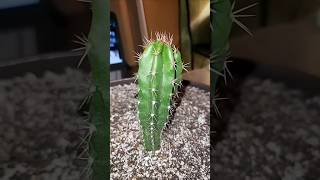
<point>272,133</point>
<point>185,148</point>
<point>40,128</point>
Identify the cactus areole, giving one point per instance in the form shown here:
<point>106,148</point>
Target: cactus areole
<point>159,75</point>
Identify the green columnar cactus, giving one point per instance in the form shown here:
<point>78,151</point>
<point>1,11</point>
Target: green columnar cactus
<point>97,49</point>
<point>222,18</point>
<point>159,75</point>
<point>221,21</point>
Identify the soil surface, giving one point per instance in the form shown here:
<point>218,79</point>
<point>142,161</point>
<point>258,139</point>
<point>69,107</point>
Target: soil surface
<point>272,132</point>
<point>40,129</point>
<point>185,146</point>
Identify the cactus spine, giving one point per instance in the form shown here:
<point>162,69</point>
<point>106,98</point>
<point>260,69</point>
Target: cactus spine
<point>159,75</point>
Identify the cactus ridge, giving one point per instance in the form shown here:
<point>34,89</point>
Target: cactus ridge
<point>159,77</point>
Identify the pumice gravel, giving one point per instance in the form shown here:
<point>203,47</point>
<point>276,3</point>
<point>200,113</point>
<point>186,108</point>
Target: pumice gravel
<point>41,131</point>
<point>273,133</point>
<point>185,146</point>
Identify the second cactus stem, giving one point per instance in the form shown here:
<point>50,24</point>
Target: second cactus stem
<point>98,46</point>
<point>159,76</point>
<point>221,22</point>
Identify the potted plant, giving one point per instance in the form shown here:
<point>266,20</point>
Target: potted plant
<point>159,123</point>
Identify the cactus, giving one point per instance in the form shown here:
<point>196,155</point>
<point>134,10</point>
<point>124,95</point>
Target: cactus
<point>159,76</point>
<point>96,47</point>
<point>98,54</point>
<point>221,23</point>
<point>222,18</point>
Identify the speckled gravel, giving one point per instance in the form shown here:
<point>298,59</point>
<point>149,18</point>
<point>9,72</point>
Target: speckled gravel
<point>273,133</point>
<point>185,147</point>
<point>40,128</point>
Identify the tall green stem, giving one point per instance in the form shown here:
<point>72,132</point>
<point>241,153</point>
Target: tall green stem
<point>221,21</point>
<point>98,53</point>
<point>159,75</point>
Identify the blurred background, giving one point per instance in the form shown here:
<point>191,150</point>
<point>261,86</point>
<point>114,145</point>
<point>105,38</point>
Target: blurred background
<point>37,36</point>
<point>285,34</point>
<point>272,109</point>
<point>187,21</point>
